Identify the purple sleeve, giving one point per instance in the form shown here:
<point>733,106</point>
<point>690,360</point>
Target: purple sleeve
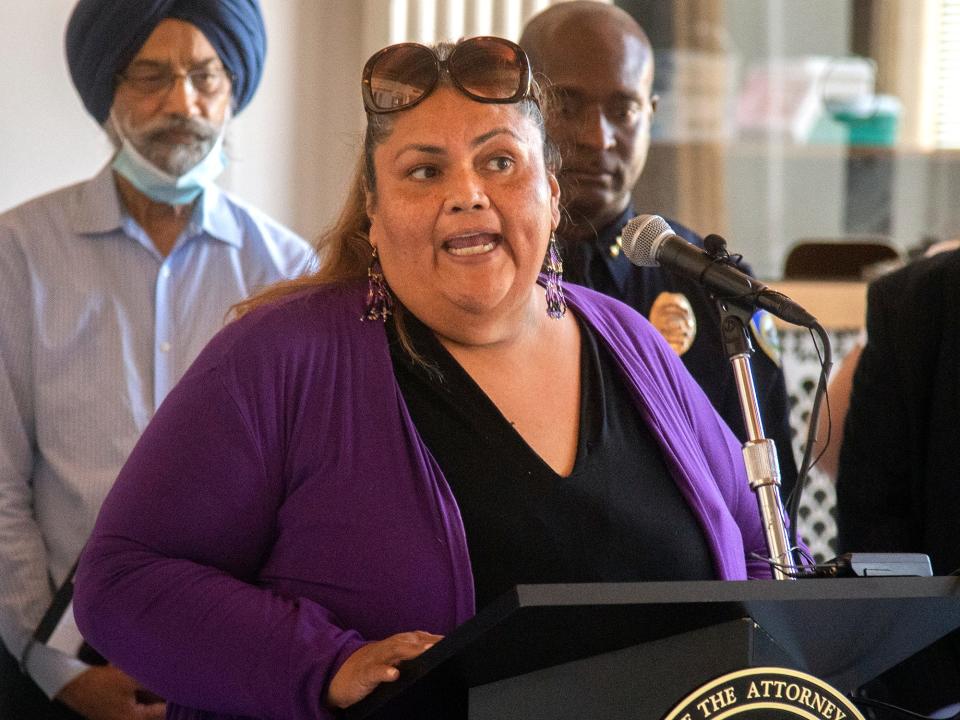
<point>166,588</point>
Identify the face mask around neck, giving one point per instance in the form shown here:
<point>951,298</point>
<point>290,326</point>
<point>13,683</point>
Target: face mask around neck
<point>161,186</point>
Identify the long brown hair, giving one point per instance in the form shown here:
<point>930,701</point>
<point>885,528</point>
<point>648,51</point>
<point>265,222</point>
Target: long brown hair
<point>343,251</point>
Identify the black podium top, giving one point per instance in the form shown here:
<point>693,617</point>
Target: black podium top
<point>843,631</point>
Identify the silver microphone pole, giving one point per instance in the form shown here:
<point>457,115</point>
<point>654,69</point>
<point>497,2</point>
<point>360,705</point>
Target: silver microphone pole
<point>763,469</point>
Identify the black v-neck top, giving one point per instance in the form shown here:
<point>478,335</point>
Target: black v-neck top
<point>617,517</point>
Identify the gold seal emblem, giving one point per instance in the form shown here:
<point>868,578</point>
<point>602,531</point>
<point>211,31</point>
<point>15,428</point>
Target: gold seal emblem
<point>765,693</point>
<point>672,316</point>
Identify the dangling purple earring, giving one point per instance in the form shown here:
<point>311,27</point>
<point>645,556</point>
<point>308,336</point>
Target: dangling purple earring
<point>379,302</point>
<point>556,303</point>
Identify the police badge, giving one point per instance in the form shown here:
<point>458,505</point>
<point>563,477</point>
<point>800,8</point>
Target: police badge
<point>672,315</point>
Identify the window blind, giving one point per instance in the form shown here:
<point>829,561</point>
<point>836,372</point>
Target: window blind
<point>946,83</point>
<point>429,21</point>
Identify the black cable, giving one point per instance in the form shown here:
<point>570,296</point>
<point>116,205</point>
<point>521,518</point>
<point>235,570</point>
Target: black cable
<point>826,364</point>
<point>810,570</point>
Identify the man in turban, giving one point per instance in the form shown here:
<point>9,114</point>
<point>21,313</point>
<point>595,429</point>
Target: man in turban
<point>108,290</point>
<point>598,65</point>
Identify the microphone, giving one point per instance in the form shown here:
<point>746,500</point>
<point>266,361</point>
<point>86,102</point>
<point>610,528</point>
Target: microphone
<point>648,241</point>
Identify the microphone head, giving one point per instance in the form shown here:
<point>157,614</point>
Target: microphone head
<point>641,238</point>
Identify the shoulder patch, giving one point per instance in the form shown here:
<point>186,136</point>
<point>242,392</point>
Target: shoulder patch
<point>766,335</point>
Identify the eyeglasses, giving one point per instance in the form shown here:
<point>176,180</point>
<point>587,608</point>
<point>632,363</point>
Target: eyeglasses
<point>208,82</point>
<point>485,69</point>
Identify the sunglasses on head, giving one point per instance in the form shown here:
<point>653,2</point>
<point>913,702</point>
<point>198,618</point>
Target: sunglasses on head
<point>485,69</point>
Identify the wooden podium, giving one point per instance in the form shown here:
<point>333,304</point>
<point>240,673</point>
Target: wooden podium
<point>633,650</point>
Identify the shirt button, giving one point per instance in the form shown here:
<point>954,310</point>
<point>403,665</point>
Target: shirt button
<point>164,346</point>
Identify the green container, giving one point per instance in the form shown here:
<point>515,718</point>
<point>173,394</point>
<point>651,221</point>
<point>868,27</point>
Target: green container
<point>872,124</point>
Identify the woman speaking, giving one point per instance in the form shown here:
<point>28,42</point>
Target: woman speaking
<point>370,453</point>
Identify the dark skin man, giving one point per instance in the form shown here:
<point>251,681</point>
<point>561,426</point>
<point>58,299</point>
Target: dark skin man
<point>597,65</point>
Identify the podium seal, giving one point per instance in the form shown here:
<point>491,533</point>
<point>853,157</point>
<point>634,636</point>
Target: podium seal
<point>765,693</point>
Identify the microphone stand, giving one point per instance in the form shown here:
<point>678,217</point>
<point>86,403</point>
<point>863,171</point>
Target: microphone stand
<point>759,452</point>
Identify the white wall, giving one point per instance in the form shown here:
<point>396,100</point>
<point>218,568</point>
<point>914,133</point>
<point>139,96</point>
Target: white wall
<point>46,137</point>
<point>292,150</point>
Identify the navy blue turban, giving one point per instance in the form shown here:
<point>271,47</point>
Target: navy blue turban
<point>103,36</point>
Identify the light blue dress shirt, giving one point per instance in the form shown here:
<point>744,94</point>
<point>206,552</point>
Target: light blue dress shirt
<point>95,328</point>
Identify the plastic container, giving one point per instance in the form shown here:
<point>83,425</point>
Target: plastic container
<point>870,121</point>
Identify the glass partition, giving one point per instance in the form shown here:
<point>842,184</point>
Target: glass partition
<point>782,121</point>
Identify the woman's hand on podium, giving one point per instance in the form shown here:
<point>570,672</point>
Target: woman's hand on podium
<point>376,663</point>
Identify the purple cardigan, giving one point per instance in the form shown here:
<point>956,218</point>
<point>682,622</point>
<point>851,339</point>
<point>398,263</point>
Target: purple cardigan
<point>281,509</point>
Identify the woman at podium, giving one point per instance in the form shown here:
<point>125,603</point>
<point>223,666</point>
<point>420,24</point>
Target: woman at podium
<point>372,452</point>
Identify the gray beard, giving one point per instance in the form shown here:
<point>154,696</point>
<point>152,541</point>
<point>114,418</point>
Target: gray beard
<point>172,158</point>
<point>177,159</point>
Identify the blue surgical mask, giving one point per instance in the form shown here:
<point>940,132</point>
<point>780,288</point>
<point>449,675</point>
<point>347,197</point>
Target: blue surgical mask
<point>162,186</point>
